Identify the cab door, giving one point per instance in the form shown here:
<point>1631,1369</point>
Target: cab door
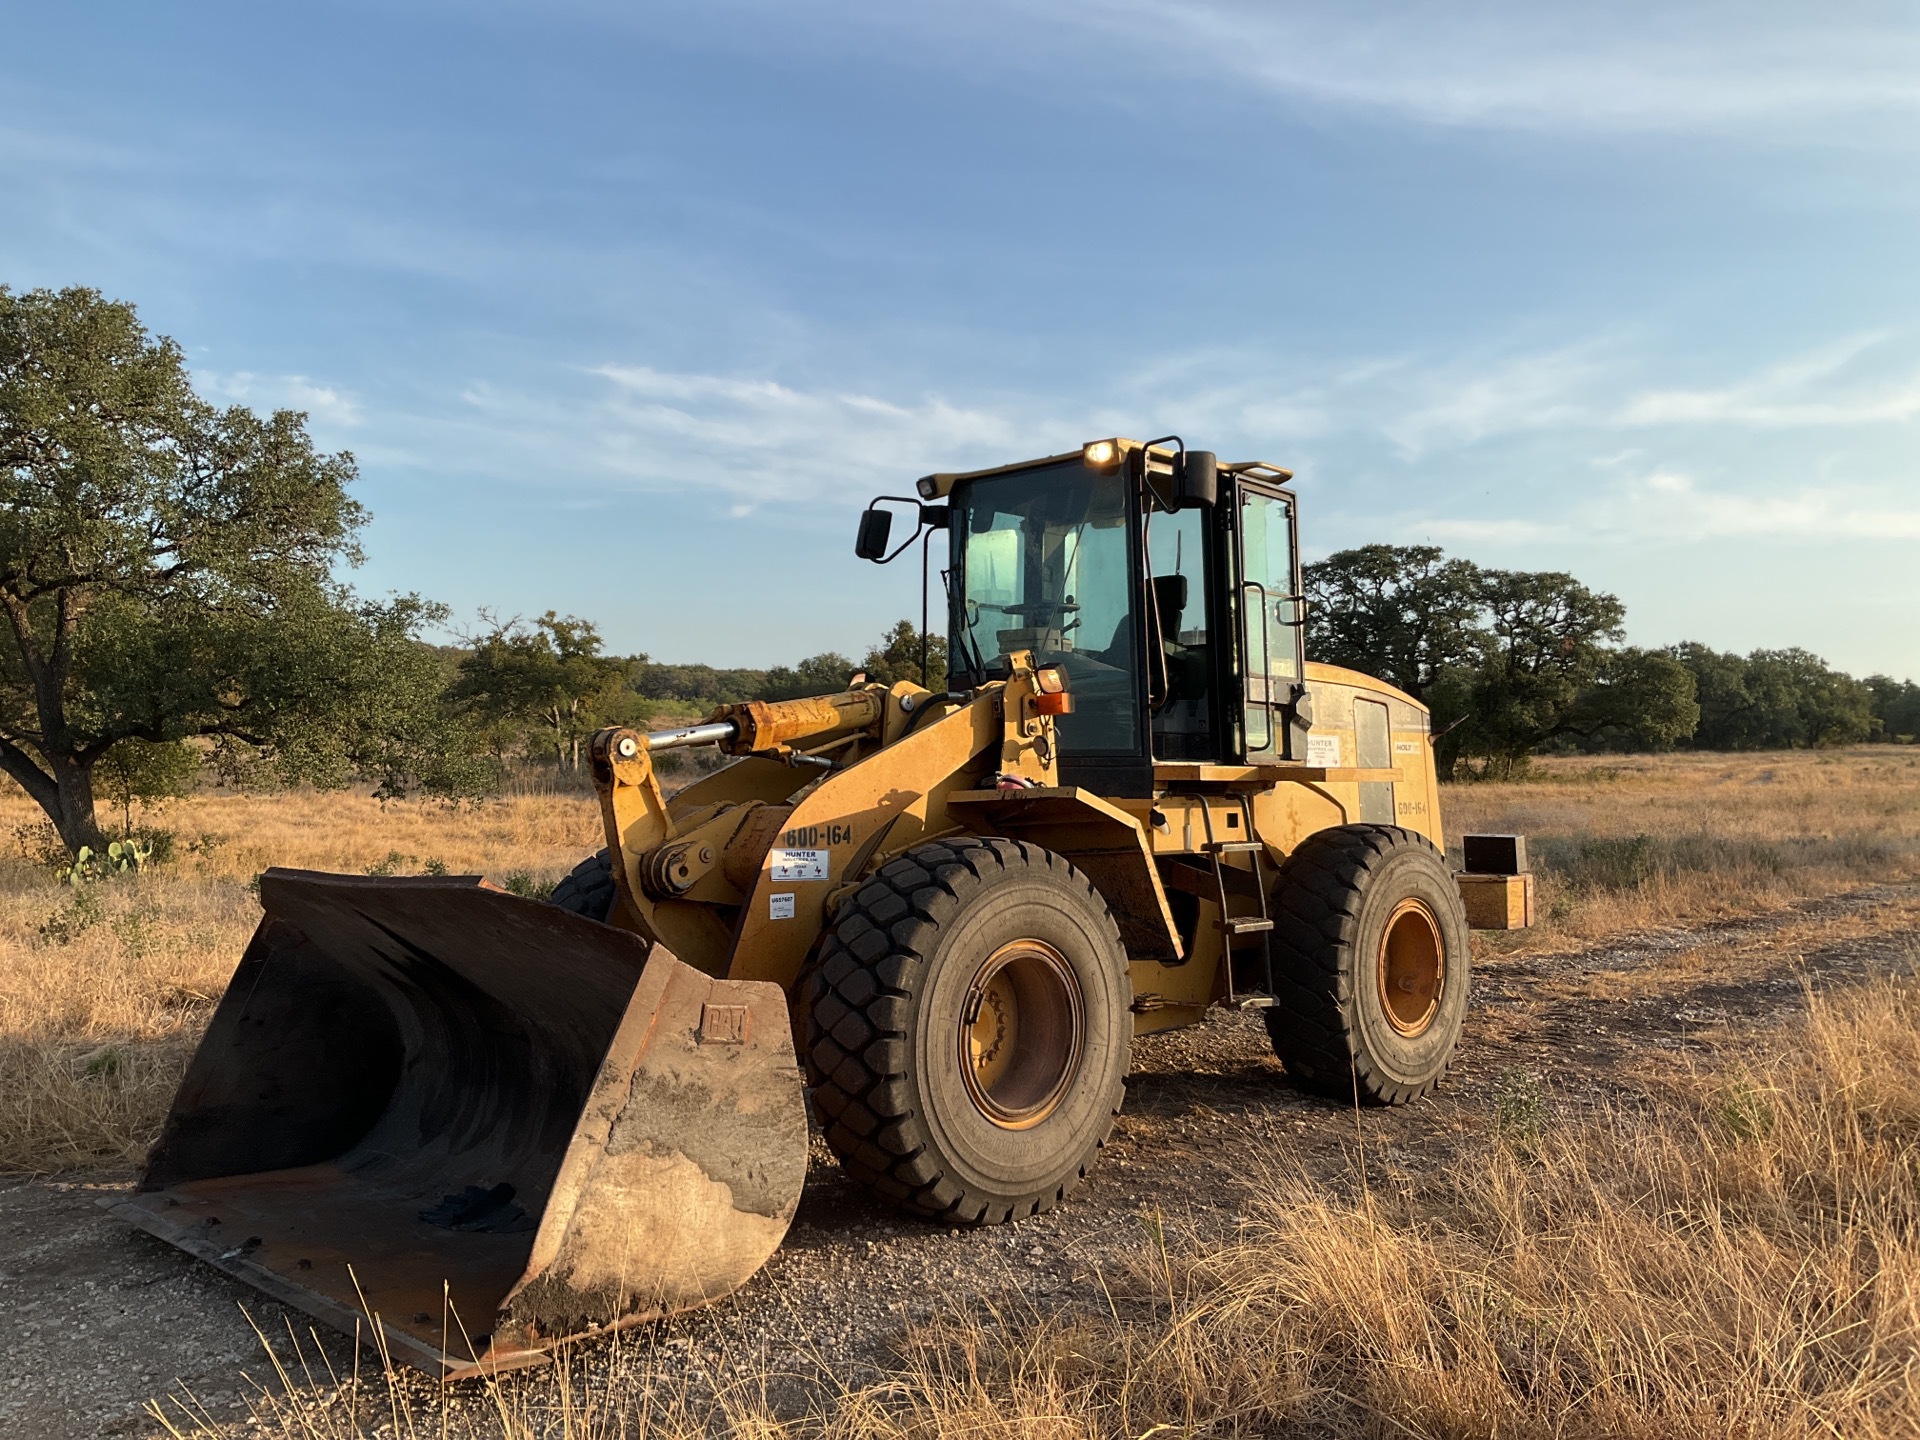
<point>1271,638</point>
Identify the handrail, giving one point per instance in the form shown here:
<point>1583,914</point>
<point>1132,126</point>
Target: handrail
<point>1266,660</point>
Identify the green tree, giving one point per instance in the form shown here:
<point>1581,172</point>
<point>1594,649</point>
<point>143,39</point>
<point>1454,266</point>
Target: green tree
<point>1549,646</point>
<point>1404,613</point>
<point>1729,719</point>
<point>548,678</point>
<point>896,657</point>
<point>694,684</point>
<point>1806,701</point>
<point>167,571</point>
<point>140,770</point>
<point>1778,699</point>
<point>823,674</point>
<point>1896,708</point>
<point>1637,700</point>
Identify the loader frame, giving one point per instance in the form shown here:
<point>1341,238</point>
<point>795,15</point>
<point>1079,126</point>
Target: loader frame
<point>482,1124</point>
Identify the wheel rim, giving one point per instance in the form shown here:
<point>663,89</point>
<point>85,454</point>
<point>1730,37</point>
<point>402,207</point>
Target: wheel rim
<point>1021,1031</point>
<point>1413,967</point>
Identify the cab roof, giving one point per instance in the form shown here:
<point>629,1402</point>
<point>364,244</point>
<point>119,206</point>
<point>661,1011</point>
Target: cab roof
<point>940,484</point>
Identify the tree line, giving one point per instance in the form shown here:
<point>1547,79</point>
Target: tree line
<point>534,691</point>
<point>1514,663</point>
<point>170,580</point>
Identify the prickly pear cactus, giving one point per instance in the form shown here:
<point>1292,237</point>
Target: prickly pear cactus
<point>121,857</point>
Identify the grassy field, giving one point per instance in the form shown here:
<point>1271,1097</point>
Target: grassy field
<point>1625,842</point>
<point>1734,1254</point>
<point>104,990</point>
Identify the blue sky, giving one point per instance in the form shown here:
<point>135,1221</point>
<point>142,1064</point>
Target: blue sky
<point>627,309</point>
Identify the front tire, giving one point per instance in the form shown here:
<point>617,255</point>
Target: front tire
<point>588,889</point>
<point>1371,964</point>
<point>967,1028</point>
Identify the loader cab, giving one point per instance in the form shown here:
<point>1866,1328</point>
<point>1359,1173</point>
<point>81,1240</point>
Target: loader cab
<point>1164,586</point>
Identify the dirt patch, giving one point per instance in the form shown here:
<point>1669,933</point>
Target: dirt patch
<point>99,1319</point>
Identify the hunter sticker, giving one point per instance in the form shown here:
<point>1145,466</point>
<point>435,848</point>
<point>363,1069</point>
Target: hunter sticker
<point>798,864</point>
<point>780,906</point>
<point>1324,751</point>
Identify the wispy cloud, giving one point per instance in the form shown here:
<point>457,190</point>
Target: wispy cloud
<point>1808,390</point>
<point>1428,404</point>
<point>1450,405</point>
<point>747,441</point>
<point>1674,506</point>
<point>1528,450</point>
<point>1519,450</point>
<point>1846,72</point>
<point>328,404</point>
<point>1665,507</point>
<point>1633,67</point>
<point>762,440</point>
<point>1488,531</point>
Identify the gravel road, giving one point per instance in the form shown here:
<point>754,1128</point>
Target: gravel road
<point>98,1320</point>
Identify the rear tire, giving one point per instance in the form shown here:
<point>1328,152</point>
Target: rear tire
<point>1371,964</point>
<point>588,889</point>
<point>967,1030</point>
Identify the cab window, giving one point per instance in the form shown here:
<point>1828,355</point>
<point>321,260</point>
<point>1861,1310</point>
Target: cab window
<point>1043,562</point>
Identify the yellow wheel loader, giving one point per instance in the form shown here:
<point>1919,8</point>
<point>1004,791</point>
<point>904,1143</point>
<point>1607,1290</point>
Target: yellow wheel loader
<point>486,1124</point>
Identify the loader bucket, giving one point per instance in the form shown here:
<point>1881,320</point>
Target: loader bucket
<point>483,1122</point>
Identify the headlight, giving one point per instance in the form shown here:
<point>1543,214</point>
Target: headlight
<point>1101,455</point>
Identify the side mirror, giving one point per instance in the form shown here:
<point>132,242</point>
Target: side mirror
<point>1196,480</point>
<point>875,527</point>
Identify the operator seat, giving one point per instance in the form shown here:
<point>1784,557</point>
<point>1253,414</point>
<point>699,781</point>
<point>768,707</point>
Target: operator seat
<point>1186,664</point>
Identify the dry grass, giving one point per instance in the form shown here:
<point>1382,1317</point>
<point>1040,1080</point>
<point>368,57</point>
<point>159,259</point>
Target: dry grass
<point>104,990</point>
<point>1737,1255</point>
<point>1627,842</point>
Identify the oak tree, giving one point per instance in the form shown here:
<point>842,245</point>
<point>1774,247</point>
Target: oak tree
<point>168,572</point>
<point>546,679</point>
<point>1404,613</point>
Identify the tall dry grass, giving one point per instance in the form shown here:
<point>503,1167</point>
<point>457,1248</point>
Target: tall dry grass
<point>1632,841</point>
<point>1737,1254</point>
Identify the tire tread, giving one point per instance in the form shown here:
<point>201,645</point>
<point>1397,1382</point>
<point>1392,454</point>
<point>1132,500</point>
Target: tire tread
<point>1316,909</point>
<point>905,906</point>
<point>587,889</point>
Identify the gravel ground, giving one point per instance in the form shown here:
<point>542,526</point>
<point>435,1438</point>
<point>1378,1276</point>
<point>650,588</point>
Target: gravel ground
<point>98,1320</point>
